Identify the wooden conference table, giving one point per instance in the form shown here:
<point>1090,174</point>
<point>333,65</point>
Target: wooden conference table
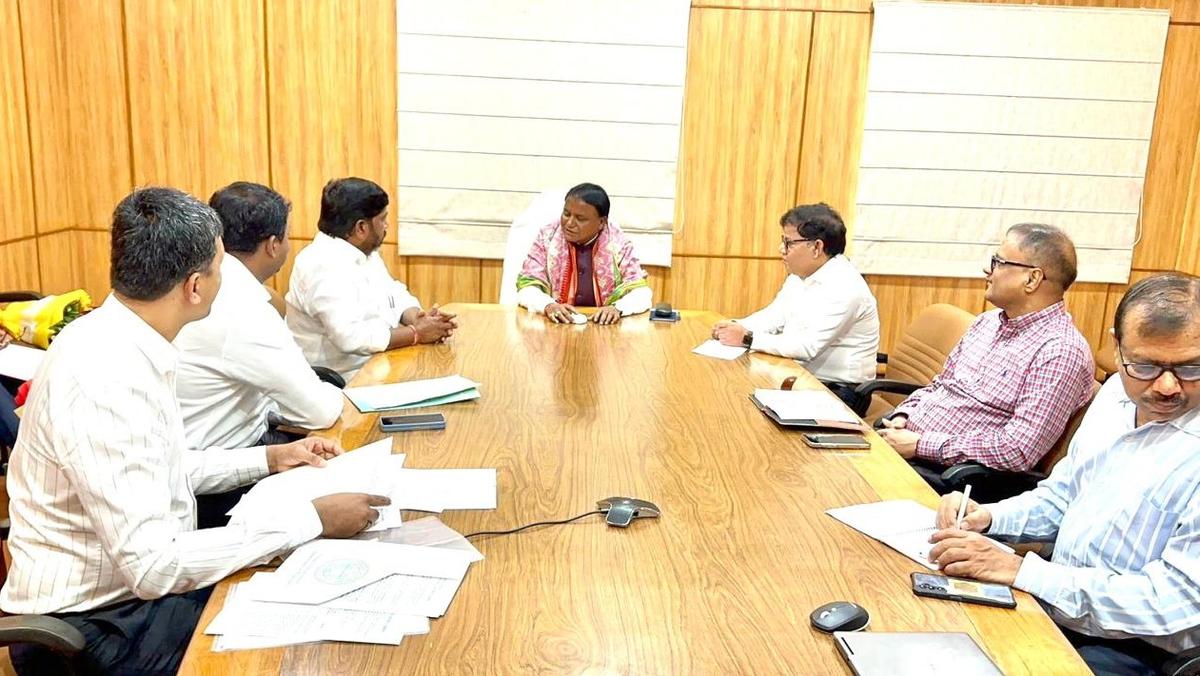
<point>722,583</point>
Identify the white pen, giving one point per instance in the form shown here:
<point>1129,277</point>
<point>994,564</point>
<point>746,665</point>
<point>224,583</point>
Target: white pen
<point>962,507</point>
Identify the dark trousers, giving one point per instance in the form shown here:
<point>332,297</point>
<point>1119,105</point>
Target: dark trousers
<point>211,509</point>
<point>845,392</point>
<point>1118,656</point>
<point>134,638</point>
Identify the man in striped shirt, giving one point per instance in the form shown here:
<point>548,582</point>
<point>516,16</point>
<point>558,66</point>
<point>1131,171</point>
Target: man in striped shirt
<point>1015,377</point>
<point>1123,508</point>
<point>102,483</point>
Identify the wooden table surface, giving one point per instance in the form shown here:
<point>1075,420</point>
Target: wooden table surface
<point>722,583</point>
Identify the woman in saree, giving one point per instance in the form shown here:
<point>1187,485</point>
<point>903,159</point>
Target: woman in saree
<point>582,260</point>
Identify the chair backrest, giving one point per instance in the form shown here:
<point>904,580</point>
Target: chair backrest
<point>544,208</point>
<point>1059,450</point>
<point>922,351</point>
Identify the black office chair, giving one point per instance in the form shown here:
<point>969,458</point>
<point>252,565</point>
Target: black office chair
<point>1186,663</point>
<point>330,376</point>
<point>43,630</point>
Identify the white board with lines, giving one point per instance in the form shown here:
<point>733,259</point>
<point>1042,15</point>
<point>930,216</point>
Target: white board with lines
<point>500,100</point>
<point>983,116</point>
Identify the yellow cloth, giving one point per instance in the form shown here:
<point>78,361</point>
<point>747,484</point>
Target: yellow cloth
<point>36,322</point>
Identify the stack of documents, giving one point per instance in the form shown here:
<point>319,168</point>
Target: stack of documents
<point>358,591</point>
<point>806,408</point>
<point>903,525</point>
<point>375,470</point>
<point>412,394</point>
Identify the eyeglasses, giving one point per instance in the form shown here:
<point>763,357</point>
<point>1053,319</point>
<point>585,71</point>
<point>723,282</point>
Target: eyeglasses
<point>1188,373</point>
<point>996,260</point>
<point>787,244</point>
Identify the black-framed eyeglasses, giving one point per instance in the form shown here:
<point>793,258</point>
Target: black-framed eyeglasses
<point>1188,373</point>
<point>996,260</point>
<point>787,244</point>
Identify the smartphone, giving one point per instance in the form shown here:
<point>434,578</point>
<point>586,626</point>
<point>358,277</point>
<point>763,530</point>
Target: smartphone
<point>836,441</point>
<point>967,591</point>
<point>406,423</point>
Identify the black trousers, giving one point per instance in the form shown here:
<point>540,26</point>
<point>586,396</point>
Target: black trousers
<point>845,392</point>
<point>133,638</point>
<point>1118,656</point>
<point>211,509</point>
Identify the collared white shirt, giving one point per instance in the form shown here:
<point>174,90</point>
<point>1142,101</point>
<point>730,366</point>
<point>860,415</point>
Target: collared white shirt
<point>1123,510</point>
<point>101,482</point>
<point>240,364</point>
<point>828,322</point>
<point>342,305</point>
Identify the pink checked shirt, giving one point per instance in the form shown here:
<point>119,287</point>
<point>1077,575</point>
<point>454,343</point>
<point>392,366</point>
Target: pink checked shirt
<point>1006,393</point>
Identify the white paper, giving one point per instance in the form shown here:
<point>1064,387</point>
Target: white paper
<point>903,525</point>
<point>245,617</point>
<point>227,642</point>
<point>382,397</point>
<point>435,490</point>
<point>577,318</point>
<point>19,361</point>
<point>427,531</point>
<point>402,594</point>
<point>806,405</point>
<point>714,349</point>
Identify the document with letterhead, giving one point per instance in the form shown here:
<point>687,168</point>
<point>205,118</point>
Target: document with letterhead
<point>903,525</point>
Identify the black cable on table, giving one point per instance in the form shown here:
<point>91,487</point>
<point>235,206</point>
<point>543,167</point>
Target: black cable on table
<point>531,525</point>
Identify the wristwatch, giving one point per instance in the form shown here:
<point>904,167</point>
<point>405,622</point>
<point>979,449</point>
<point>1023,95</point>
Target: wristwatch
<point>747,339</point>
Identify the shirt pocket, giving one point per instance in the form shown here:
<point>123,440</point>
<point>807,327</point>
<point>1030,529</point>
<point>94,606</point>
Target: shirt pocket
<point>1138,536</point>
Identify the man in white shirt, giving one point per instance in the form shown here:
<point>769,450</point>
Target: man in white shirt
<point>101,481</point>
<point>825,316</point>
<point>342,303</point>
<point>240,365</point>
<point>1122,508</point>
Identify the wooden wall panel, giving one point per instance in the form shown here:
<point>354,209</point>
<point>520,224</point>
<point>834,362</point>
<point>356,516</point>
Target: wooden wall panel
<point>1189,251</point>
<point>743,111</point>
<point>61,262</point>
<point>197,92</point>
<point>733,287</point>
<point>833,111</point>
<point>1172,151</point>
<point>1181,10</point>
<point>94,248</point>
<point>490,274</point>
<point>75,77</point>
<point>1087,303</point>
<point>442,281</point>
<point>332,97</point>
<point>900,299</point>
<point>16,189</point>
<point>19,266</point>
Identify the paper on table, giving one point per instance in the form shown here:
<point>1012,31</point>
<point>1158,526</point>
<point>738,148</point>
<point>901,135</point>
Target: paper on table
<point>227,642</point>
<point>242,616</point>
<point>427,531</point>
<point>714,348</point>
<point>806,405</point>
<point>404,594</point>
<point>903,525</point>
<point>19,361</point>
<point>435,490</point>
<point>465,395</point>
<point>384,397</point>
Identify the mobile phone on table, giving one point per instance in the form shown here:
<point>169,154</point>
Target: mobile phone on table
<point>836,441</point>
<point>967,591</point>
<point>407,423</point>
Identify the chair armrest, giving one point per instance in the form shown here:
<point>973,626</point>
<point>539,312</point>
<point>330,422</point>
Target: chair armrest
<point>884,385</point>
<point>987,484</point>
<point>330,376</point>
<point>1186,663</point>
<point>881,358</point>
<point>15,296</point>
<point>42,630</point>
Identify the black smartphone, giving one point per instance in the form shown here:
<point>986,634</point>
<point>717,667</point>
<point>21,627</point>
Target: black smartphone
<point>967,591</point>
<point>406,423</point>
<point>856,441</point>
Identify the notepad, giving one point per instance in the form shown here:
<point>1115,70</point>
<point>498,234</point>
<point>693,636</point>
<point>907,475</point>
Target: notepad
<point>412,394</point>
<point>806,408</point>
<point>903,525</point>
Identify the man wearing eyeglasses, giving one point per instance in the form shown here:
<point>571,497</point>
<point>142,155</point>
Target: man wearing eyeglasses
<point>1015,377</point>
<point>825,315</point>
<point>1123,507</point>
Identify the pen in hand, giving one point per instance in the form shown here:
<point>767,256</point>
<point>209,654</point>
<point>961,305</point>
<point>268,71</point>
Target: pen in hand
<point>962,506</point>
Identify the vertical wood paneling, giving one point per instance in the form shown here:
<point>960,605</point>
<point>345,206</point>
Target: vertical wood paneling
<point>19,266</point>
<point>75,77</point>
<point>743,110</point>
<point>444,280</point>
<point>1189,250</point>
<point>1087,302</point>
<point>900,299</point>
<point>490,274</point>
<point>833,112</point>
<point>61,261</point>
<point>332,98</point>
<point>198,99</point>
<point>16,188</point>
<point>733,287</point>
<point>94,249</point>
<point>1172,151</point>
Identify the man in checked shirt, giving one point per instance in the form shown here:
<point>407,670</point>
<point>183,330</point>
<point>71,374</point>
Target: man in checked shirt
<point>1122,509</point>
<point>1016,376</point>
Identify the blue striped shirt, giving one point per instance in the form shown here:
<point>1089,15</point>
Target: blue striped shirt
<point>1124,511</point>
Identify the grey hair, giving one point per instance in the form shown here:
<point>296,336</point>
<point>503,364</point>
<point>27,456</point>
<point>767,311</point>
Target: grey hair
<point>1050,249</point>
<point>160,237</point>
<point>1165,305</point>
